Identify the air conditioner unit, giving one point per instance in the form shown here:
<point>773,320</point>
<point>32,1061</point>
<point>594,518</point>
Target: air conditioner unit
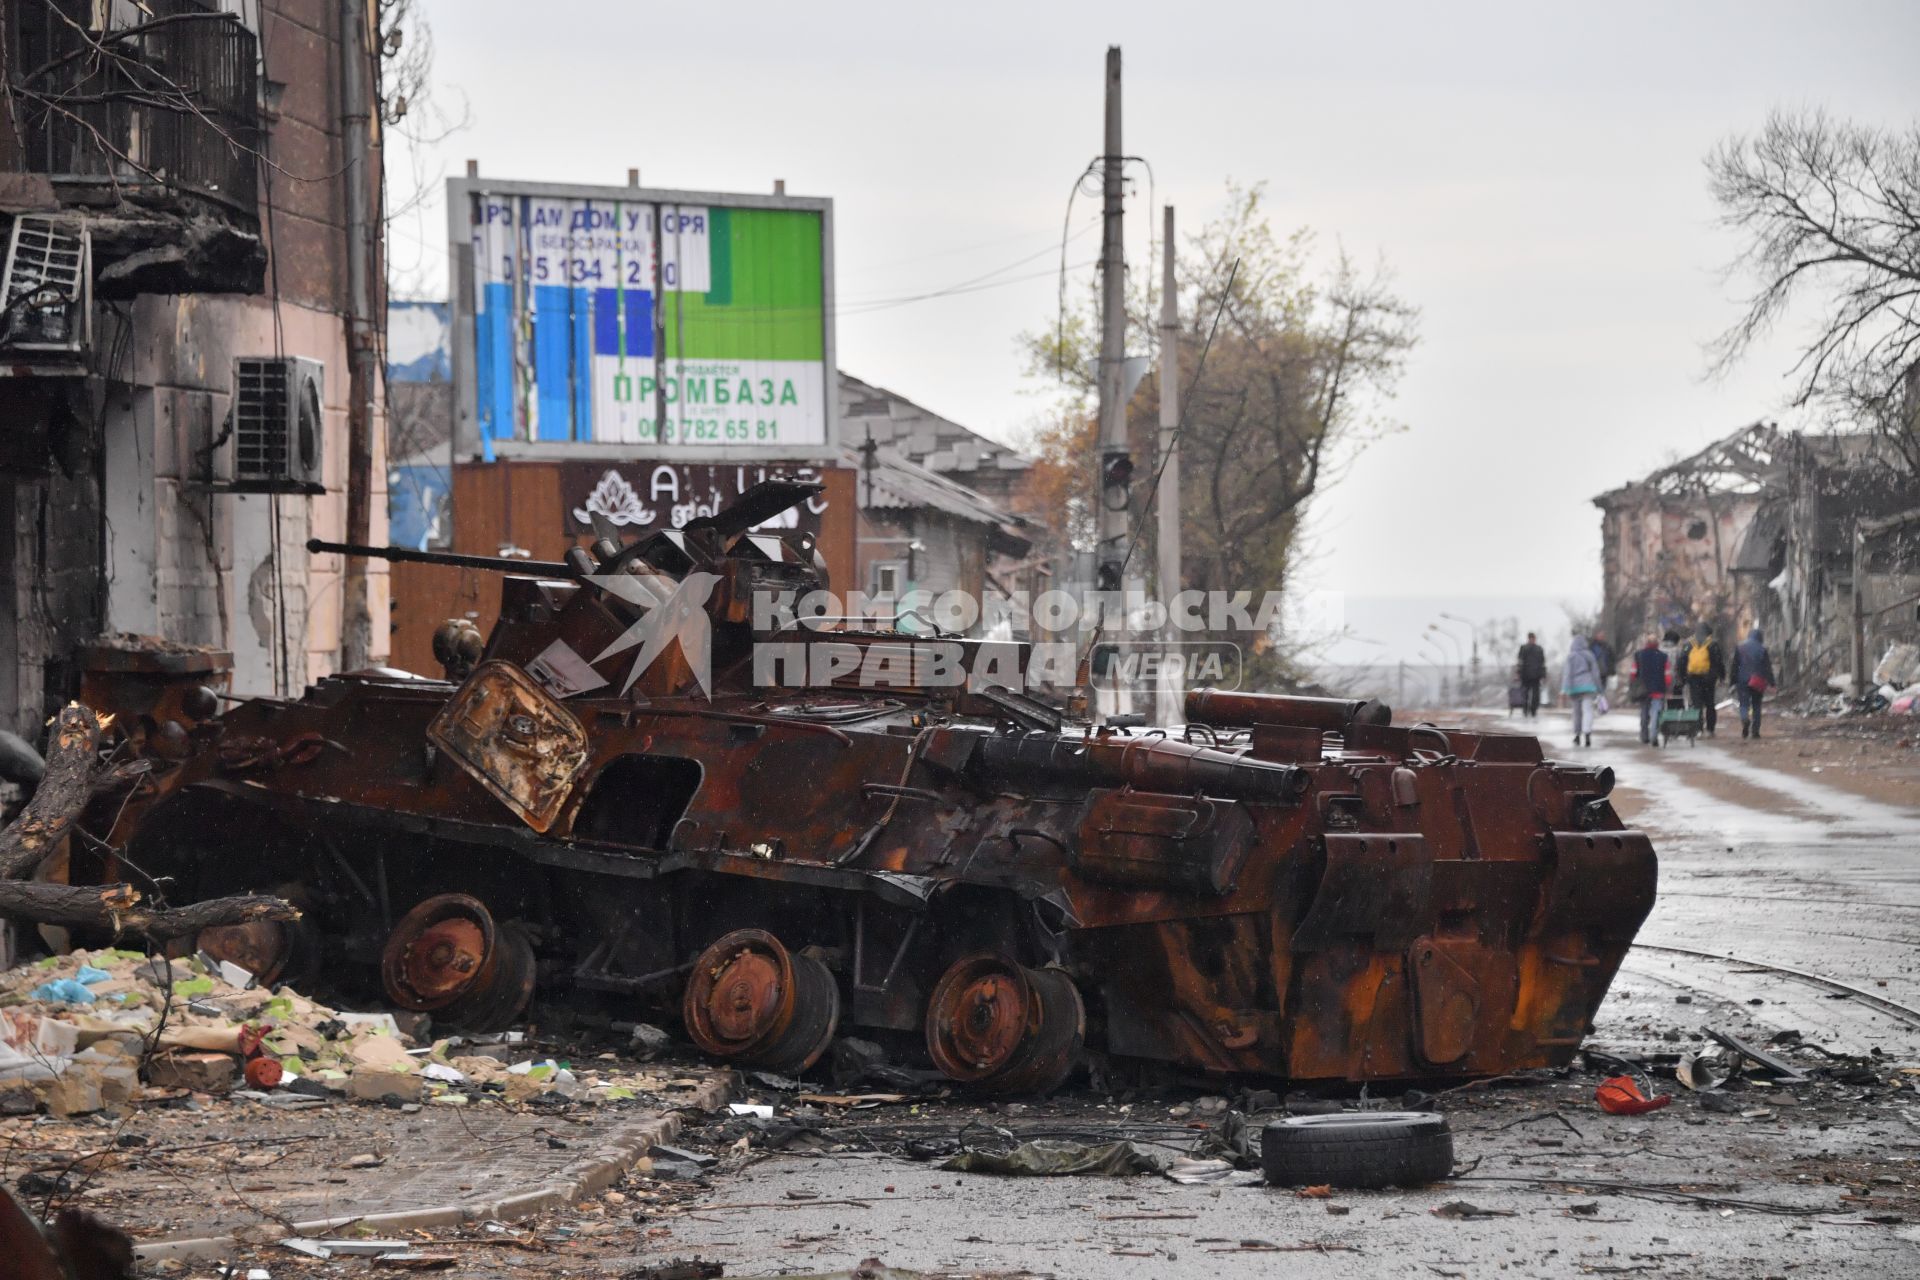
<point>277,440</point>
<point>46,288</point>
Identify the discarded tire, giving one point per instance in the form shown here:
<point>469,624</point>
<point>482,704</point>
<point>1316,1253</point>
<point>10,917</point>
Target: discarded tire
<point>1357,1149</point>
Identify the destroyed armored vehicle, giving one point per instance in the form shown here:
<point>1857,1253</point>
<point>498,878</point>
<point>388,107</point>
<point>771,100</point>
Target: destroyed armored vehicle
<point>1284,887</point>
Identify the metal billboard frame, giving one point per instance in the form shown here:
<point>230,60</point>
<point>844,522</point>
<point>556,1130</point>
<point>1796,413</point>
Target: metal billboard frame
<point>466,431</point>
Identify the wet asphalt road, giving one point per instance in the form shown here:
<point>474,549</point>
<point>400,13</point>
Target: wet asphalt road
<point>1755,864</point>
<point>1772,867</point>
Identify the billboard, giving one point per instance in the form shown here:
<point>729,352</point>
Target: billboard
<point>624,316</point>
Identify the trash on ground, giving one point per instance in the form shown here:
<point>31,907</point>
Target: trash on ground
<point>1621,1096</point>
<point>1057,1157</point>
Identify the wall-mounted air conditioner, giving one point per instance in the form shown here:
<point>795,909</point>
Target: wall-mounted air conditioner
<point>46,287</point>
<point>277,440</point>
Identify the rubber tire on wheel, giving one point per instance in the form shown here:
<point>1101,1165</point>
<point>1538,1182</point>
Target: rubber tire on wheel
<point>1365,1149</point>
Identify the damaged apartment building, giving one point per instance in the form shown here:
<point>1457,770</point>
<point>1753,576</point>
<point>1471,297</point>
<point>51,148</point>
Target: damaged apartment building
<point>1813,537</point>
<point>187,210</point>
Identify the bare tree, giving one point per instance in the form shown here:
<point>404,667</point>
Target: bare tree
<point>1305,358</point>
<point>1830,211</point>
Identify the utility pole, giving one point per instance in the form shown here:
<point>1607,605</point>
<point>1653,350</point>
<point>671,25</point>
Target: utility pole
<point>1859,609</point>
<point>1113,484</point>
<point>1170,707</point>
<point>356,130</point>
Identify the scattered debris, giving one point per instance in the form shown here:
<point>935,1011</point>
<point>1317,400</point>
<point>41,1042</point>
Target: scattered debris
<point>1621,1096</point>
<point>1779,1066</point>
<point>1051,1157</point>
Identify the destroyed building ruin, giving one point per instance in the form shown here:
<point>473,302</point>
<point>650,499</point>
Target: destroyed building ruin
<point>1770,528</point>
<point>175,348</point>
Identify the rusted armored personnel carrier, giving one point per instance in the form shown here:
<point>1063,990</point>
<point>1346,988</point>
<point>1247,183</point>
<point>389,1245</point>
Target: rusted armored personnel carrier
<point>1285,887</point>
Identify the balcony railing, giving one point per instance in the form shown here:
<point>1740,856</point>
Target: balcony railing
<point>166,103</point>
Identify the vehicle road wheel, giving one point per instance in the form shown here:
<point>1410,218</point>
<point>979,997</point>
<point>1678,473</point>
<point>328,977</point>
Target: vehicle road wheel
<point>270,950</point>
<point>448,957</point>
<point>1004,1028</point>
<point>1357,1149</point>
<point>752,1000</point>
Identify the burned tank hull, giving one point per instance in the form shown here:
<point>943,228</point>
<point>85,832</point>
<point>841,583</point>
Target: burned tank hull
<point>1283,887</point>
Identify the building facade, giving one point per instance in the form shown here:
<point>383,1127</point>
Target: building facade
<point>174,362</point>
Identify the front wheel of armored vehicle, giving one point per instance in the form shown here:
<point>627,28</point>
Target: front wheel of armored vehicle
<point>448,957</point>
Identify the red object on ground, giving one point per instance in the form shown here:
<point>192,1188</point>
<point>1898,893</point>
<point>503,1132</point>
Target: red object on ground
<point>251,1035</point>
<point>1620,1096</point>
<point>264,1072</point>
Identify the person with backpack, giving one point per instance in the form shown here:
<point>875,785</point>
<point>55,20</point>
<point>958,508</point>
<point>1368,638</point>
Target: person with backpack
<point>1650,668</point>
<point>1752,678</point>
<point>1602,658</point>
<point>1703,666</point>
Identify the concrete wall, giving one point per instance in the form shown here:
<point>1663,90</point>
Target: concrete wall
<point>198,567</point>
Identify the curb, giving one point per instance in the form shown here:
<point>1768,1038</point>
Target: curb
<point>591,1173</point>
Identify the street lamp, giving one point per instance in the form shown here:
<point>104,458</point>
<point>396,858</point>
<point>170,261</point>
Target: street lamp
<point>1440,663</point>
<point>1459,655</point>
<point>1473,636</point>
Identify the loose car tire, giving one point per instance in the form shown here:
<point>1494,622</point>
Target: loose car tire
<point>1357,1149</point>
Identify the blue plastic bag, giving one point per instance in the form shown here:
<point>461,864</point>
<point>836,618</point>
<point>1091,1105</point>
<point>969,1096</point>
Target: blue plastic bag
<point>62,991</point>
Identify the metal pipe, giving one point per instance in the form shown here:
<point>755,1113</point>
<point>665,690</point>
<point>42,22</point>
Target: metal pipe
<point>1211,706</point>
<point>1151,764</point>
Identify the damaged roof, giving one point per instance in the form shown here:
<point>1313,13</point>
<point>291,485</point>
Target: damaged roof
<point>893,483</point>
<point>1742,463</point>
<point>917,434</point>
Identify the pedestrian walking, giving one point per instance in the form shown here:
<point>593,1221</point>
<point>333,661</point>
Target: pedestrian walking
<point>1670,645</point>
<point>1532,671</point>
<point>1580,681</point>
<point>1650,668</point>
<point>1603,658</point>
<point>1752,678</point>
<point>1703,665</point>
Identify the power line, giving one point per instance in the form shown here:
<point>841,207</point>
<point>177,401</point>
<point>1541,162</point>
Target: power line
<point>889,303</point>
<point>1018,262</point>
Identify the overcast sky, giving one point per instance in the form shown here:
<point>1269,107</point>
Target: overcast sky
<point>1532,172</point>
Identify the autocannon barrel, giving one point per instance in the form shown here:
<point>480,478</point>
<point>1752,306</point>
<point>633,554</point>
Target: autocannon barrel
<point>407,555</point>
<point>1151,764</point>
<point>1211,706</point>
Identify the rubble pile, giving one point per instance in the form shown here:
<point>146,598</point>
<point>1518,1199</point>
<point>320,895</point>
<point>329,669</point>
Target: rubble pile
<point>1895,687</point>
<point>94,1031</point>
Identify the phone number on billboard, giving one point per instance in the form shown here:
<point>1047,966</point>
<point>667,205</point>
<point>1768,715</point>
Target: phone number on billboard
<point>733,430</point>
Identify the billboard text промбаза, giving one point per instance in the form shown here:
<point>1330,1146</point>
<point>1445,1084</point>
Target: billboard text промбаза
<point>641,322</point>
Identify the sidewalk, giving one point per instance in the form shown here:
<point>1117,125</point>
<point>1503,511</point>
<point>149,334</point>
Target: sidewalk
<point>193,1184</point>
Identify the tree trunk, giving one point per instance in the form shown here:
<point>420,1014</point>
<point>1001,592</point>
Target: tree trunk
<point>116,908</point>
<point>62,794</point>
<point>73,770</point>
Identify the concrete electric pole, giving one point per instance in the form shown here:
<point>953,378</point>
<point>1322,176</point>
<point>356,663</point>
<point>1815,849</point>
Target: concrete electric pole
<point>1170,707</point>
<point>1116,467</point>
<point>356,129</point>
<point>1113,483</point>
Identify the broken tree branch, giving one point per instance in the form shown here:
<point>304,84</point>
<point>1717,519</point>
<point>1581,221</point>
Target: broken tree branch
<point>74,773</point>
<point>116,908</point>
<point>72,760</point>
